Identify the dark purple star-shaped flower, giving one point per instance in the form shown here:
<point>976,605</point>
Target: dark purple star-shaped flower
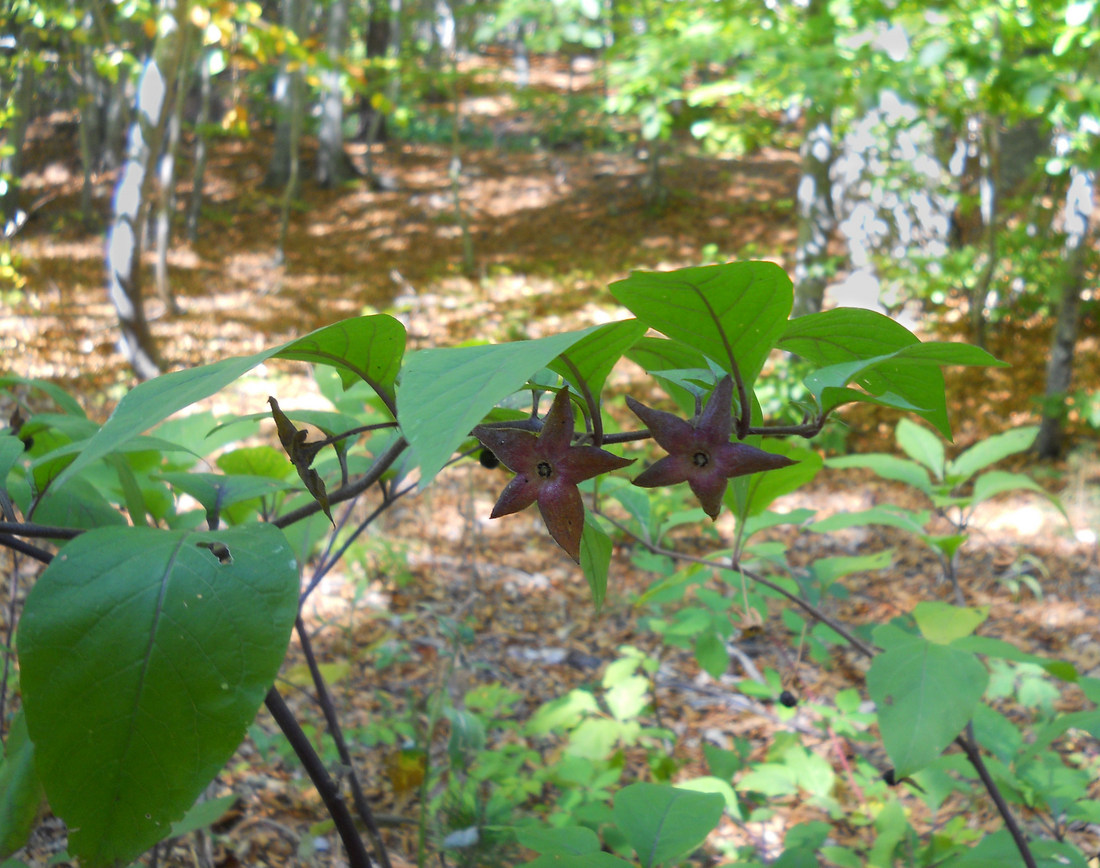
<point>548,468</point>
<point>701,454</point>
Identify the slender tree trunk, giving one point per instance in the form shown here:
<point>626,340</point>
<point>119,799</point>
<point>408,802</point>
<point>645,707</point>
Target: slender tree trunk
<point>131,200</point>
<point>989,206</point>
<point>333,165</point>
<point>194,206</point>
<point>389,26</point>
<point>297,14</point>
<point>816,219</point>
<point>289,100</point>
<point>1079,205</point>
<point>456,143</point>
<point>15,131</point>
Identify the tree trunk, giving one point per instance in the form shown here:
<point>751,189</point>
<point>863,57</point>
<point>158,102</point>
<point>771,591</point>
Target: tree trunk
<point>383,40</point>
<point>816,220</point>
<point>289,99</point>
<point>989,194</point>
<point>814,197</point>
<point>194,206</point>
<point>333,165</point>
<point>131,200</point>
<point>1078,211</point>
<point>11,156</point>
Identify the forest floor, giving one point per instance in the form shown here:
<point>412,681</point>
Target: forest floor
<point>550,229</point>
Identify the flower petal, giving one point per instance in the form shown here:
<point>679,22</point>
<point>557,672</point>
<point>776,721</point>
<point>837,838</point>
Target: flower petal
<point>715,423</point>
<point>557,427</point>
<point>518,494</point>
<point>709,488</point>
<point>670,470</point>
<point>514,448</point>
<point>671,432</point>
<point>740,459</point>
<point>563,512</point>
<point>583,462</point>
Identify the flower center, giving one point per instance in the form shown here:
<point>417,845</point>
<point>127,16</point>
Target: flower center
<point>700,459</point>
<point>544,470</point>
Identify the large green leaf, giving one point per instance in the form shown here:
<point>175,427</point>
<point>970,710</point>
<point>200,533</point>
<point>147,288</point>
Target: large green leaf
<point>739,308</point>
<point>663,823</point>
<point>444,393</point>
<point>21,794</point>
<point>370,346</point>
<point>853,335</point>
<point>925,694</point>
<point>144,654</point>
<point>586,364</point>
<point>987,452</point>
<point>921,445</point>
<point>564,841</point>
<point>367,348</point>
<point>888,467</point>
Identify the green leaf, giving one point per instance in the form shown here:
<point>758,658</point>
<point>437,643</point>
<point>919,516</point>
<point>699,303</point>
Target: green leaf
<point>991,647</point>
<point>750,495</point>
<point>444,393</point>
<point>925,694</point>
<point>921,445</point>
<point>888,467</point>
<point>902,519</point>
<point>598,859</point>
<point>664,823</point>
<point>710,651</point>
<point>988,452</point>
<point>586,364</point>
<point>11,450</point>
<point>999,481</point>
<point>21,794</point>
<point>595,559</point>
<point>739,307</point>
<point>845,335</point>
<point>943,623</point>
<point>166,641</point>
<point>80,505</point>
<point>265,461</point>
<point>563,841</point>
<point>998,850</point>
<point>65,402</point>
<point>366,346</point>
<point>203,814</point>
<point>215,491</point>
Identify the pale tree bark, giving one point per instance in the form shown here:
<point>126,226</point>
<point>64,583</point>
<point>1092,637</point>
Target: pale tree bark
<point>131,200</point>
<point>333,165</point>
<point>816,218</point>
<point>1080,200</point>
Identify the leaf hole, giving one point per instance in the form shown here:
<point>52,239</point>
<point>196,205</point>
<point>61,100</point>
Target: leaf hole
<point>218,550</point>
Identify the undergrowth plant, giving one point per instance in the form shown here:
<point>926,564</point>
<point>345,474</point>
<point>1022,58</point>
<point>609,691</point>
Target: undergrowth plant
<point>179,552</point>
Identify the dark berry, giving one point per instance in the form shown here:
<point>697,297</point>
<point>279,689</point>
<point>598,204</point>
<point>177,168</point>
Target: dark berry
<point>788,699</point>
<point>488,460</point>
